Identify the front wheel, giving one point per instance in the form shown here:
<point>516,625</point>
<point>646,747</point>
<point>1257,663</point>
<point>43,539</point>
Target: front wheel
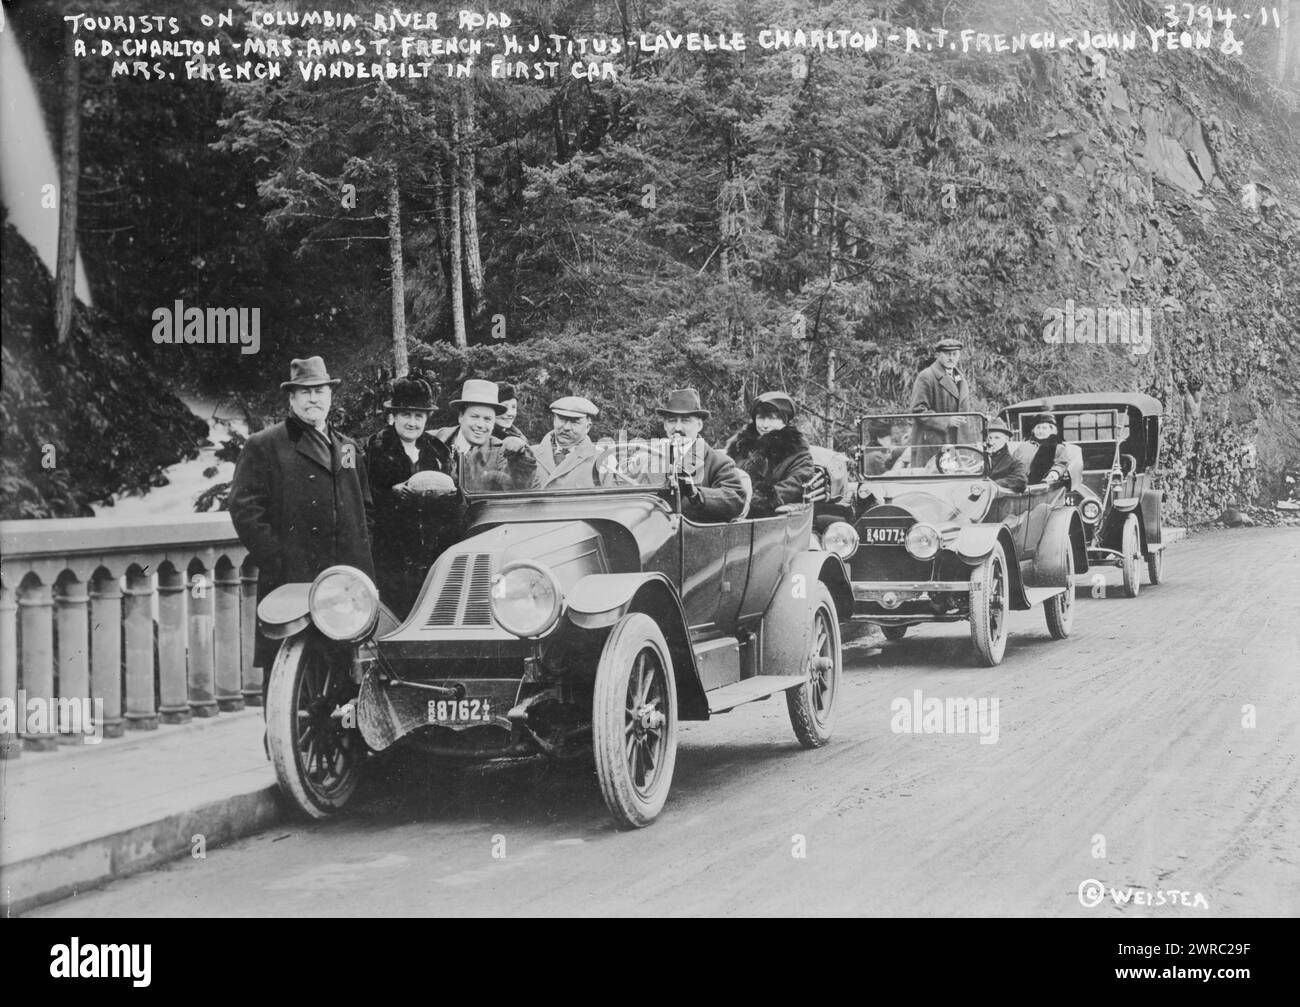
<point>812,705</point>
<point>318,756</point>
<point>1059,610</point>
<point>634,721</point>
<point>1131,547</point>
<point>989,604</point>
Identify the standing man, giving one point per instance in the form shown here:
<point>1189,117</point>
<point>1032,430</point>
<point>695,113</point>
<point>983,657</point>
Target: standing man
<point>300,500</point>
<point>483,461</point>
<point>416,516</point>
<point>940,388</point>
<point>566,458</point>
<point>712,487</point>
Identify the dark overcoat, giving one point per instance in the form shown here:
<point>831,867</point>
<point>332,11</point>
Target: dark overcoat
<point>720,484</point>
<point>1007,470</point>
<point>778,462</point>
<point>937,391</point>
<point>410,532</point>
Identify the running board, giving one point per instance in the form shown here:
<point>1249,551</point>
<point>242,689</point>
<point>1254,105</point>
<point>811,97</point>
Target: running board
<point>1038,595</point>
<point>759,687</point>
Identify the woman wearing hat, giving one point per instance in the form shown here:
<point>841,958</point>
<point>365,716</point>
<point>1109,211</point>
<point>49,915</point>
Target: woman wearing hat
<point>417,512</point>
<point>774,453</point>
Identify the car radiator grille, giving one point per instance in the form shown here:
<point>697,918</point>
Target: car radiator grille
<point>464,600</point>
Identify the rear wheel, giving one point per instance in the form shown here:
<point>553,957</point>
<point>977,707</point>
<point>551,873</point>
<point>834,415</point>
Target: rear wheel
<point>318,757</point>
<point>894,633</point>
<point>988,607</point>
<point>1060,609</point>
<point>1130,563</point>
<point>634,721</point>
<point>1155,565</point>
<point>812,705</point>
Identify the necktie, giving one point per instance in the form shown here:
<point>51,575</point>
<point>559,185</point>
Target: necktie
<point>560,453</point>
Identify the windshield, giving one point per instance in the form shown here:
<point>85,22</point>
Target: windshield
<point>587,467</point>
<point>933,445</point>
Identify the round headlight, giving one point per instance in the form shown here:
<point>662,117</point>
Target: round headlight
<point>840,538</point>
<point>526,598</point>
<point>922,541</point>
<point>343,602</point>
<point>1091,510</point>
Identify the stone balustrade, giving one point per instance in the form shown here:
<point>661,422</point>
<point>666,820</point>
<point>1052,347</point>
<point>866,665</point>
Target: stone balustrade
<point>153,618</point>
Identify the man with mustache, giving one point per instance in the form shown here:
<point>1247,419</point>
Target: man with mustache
<point>300,498</point>
<point>566,458</point>
<point>712,487</point>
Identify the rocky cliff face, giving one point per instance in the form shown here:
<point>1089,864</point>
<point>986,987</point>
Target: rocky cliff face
<point>81,422</point>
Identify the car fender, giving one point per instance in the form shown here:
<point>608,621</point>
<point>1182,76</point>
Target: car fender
<point>786,625</point>
<point>976,541</point>
<point>1153,534</point>
<point>1048,570</point>
<point>284,613</point>
<point>599,600</point>
<point>1125,504</point>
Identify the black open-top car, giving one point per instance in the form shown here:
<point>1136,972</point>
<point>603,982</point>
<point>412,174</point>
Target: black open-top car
<point>1118,434</point>
<point>594,617</point>
<point>935,539</point>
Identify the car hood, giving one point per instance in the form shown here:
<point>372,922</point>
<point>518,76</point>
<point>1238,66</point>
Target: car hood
<point>938,502</point>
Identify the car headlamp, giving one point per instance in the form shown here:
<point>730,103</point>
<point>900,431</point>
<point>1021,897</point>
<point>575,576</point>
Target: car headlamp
<point>840,538</point>
<point>526,598</point>
<point>1091,510</point>
<point>343,603</point>
<point>922,541</point>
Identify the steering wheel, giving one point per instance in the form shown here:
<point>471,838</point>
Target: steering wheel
<point>961,461</point>
<point>635,469</point>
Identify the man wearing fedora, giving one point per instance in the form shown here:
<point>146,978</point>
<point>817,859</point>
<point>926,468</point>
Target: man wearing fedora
<point>417,512</point>
<point>940,388</point>
<point>300,500</point>
<point>1005,469</point>
<point>566,458</point>
<point>712,487</point>
<point>481,460</point>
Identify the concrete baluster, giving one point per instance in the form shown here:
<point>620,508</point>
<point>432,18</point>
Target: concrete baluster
<point>34,610</point>
<point>106,649</point>
<point>141,714</point>
<point>252,674</point>
<point>71,614</point>
<point>173,693</point>
<point>203,700</point>
<point>226,641</point>
<point>9,747</point>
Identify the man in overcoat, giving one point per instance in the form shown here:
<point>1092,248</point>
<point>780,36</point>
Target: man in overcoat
<point>300,500</point>
<point>940,388</point>
<point>482,461</point>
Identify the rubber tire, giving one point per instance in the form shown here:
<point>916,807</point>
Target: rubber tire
<point>1060,609</point>
<point>1131,547</point>
<point>282,703</point>
<point>813,726</point>
<point>629,807</point>
<point>989,644</point>
<point>894,633</point>
<point>1155,566</point>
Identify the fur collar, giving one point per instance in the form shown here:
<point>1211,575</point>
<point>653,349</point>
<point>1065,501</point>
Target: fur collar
<point>777,444</point>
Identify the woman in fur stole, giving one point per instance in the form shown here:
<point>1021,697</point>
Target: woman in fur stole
<point>774,453</point>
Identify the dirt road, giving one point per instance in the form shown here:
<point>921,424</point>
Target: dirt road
<point>1154,751</point>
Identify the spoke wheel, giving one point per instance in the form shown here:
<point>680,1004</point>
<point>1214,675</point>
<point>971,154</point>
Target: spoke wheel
<point>1132,558</point>
<point>634,721</point>
<point>1155,565</point>
<point>989,593</point>
<point>1060,609</point>
<point>894,633</point>
<point>317,759</point>
<point>812,705</point>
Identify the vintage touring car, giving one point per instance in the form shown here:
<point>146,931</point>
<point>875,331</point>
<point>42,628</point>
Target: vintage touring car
<point>562,619</point>
<point>936,540</point>
<point>1119,436</point>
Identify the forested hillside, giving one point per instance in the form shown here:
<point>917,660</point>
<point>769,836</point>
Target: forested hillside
<point>734,221</point>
